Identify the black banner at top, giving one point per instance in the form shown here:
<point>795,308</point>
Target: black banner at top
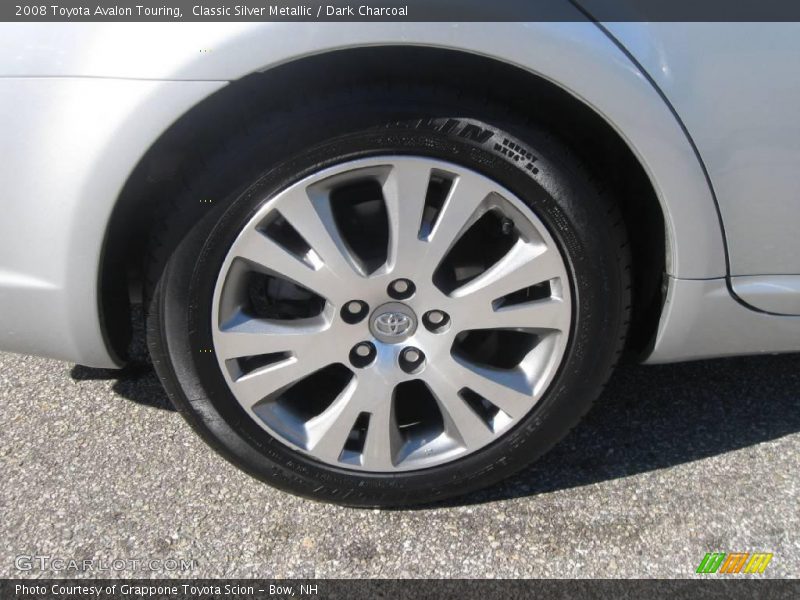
<point>399,10</point>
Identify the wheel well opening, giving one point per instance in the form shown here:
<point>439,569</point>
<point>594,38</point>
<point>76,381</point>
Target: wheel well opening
<point>186,145</point>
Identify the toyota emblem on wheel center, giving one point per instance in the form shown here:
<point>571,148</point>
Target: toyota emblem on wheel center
<point>393,324</point>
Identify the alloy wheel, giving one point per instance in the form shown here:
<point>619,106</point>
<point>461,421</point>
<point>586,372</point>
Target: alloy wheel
<point>391,314</point>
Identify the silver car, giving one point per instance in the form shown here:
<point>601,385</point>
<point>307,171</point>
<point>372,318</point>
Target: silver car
<point>391,263</point>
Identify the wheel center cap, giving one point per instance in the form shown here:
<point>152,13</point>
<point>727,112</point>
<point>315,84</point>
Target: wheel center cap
<point>393,322</point>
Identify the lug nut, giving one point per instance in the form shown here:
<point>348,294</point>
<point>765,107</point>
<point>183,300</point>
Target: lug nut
<point>412,360</point>
<point>436,321</point>
<point>354,311</point>
<point>400,289</point>
<point>436,317</point>
<point>411,355</point>
<point>363,354</point>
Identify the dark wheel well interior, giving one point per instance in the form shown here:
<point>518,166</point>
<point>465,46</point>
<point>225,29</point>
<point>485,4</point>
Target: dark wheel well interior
<point>213,122</point>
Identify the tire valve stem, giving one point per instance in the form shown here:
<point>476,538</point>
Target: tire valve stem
<point>507,226</point>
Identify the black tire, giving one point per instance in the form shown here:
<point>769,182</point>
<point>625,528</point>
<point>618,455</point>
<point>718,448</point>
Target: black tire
<point>190,244</point>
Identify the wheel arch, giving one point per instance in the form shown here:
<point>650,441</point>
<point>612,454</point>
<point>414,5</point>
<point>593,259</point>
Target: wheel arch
<point>658,210</point>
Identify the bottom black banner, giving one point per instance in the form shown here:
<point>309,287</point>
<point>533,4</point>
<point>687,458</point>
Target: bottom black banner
<point>455,589</point>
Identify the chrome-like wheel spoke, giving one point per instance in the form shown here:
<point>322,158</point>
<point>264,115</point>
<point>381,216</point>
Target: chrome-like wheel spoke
<point>548,314</point>
<point>252,337</point>
<point>254,387</point>
<point>275,259</point>
<point>366,394</point>
<point>507,390</point>
<point>383,441</point>
<point>523,266</point>
<point>406,188</point>
<point>359,319</point>
<point>328,432</point>
<point>404,194</point>
<point>315,225</point>
<point>461,422</point>
<point>460,210</point>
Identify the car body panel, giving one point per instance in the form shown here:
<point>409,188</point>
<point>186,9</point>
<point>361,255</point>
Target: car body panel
<point>68,146</point>
<point>702,320</point>
<point>736,87</point>
<point>777,294</point>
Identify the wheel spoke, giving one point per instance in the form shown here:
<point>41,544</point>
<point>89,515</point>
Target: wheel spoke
<point>524,265</point>
<point>547,314</point>
<point>316,226</point>
<point>251,337</point>
<point>383,441</point>
<point>254,387</point>
<point>507,390</point>
<point>327,433</point>
<point>367,393</point>
<point>460,210</point>
<point>275,259</point>
<point>404,194</point>
<point>460,421</point>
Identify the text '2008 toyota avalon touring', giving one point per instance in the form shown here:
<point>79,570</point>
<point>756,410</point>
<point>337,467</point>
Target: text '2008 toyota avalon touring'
<point>384,264</point>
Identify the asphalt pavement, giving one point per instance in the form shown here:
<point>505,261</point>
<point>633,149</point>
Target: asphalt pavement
<point>673,461</point>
